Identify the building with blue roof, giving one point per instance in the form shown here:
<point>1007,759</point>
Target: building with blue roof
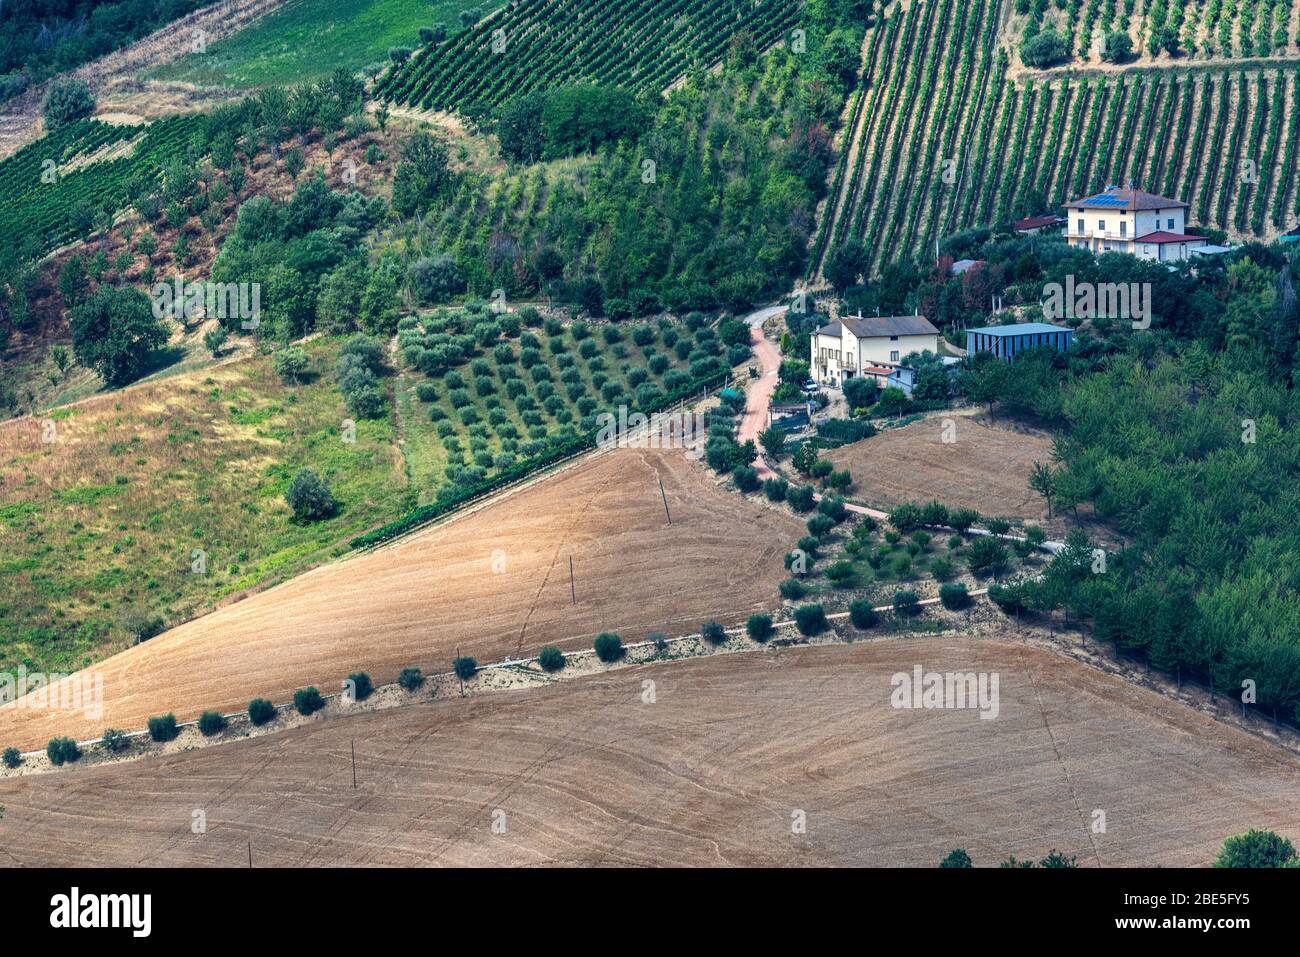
<point>1006,342</point>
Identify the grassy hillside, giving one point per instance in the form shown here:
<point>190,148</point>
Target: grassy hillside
<point>980,148</point>
<point>306,39</point>
<point>103,521</point>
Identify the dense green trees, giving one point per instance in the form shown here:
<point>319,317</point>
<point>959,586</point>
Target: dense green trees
<point>1257,849</point>
<point>41,39</point>
<point>115,333</point>
<point>568,120</point>
<point>697,201</point>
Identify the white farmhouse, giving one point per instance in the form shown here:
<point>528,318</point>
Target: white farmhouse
<point>853,345</point>
<point>1131,221</point>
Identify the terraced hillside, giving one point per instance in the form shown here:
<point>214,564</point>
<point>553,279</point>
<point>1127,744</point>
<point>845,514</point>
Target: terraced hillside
<point>537,44</point>
<point>980,148</point>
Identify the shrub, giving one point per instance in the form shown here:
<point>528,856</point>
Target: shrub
<point>905,517</point>
<point>955,542</point>
<point>963,518</point>
<point>833,508</point>
<point>941,569</point>
<point>1011,599</point>
<point>713,633</point>
<point>428,392</point>
<point>801,499</point>
<point>210,723</point>
<point>465,667</point>
<point>934,513</point>
<point>1256,848</point>
<point>792,589</point>
<point>291,364</point>
<point>551,659</point>
<point>260,711</point>
<point>759,628</point>
<point>162,727</point>
<point>66,101</point>
<point>988,556</point>
<point>12,757</point>
<point>810,619</point>
<point>309,496</point>
<point>957,857</point>
<point>410,678</point>
<point>609,647</point>
<point>62,751</point>
<point>862,614</point>
<point>906,602</point>
<point>841,573</point>
<point>775,489</point>
<point>954,596</point>
<point>362,686</point>
<point>820,525</point>
<point>308,700</point>
<point>746,478</point>
<point>999,526</point>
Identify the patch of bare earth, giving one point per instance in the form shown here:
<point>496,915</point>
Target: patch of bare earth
<point>962,460</point>
<point>733,750</point>
<point>489,584</point>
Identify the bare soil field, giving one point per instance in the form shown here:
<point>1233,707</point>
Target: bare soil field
<point>984,467</point>
<point>489,584</point>
<point>713,772</point>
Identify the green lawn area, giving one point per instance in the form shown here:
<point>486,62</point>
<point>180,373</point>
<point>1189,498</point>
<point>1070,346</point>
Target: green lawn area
<point>102,526</point>
<point>307,39</point>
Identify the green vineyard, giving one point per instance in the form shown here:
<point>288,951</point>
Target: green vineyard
<point>941,140</point>
<point>40,202</point>
<point>1202,29</point>
<point>539,44</point>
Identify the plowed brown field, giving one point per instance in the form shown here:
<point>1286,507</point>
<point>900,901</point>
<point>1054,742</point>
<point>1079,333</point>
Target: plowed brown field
<point>712,773</point>
<point>488,584</point>
<point>983,467</point>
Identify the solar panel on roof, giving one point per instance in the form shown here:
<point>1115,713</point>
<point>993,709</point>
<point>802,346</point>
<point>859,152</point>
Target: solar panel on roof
<point>1105,201</point>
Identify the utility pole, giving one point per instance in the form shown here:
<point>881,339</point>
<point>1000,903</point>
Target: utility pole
<point>354,764</point>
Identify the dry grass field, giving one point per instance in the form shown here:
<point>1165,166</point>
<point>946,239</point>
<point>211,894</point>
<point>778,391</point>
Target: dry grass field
<point>985,467</point>
<point>489,584</point>
<point>583,772</point>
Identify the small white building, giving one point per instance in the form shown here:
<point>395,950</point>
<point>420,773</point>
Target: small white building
<point>1131,221</point>
<point>851,345</point>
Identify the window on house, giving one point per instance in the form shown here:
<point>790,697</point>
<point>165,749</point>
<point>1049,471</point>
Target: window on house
<point>1081,227</point>
<point>1101,225</point>
<point>1171,225</point>
<point>1123,227</point>
<point>893,338</point>
<point>893,356</point>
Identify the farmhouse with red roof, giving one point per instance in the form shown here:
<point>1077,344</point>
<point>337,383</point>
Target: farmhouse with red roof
<point>1131,221</point>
